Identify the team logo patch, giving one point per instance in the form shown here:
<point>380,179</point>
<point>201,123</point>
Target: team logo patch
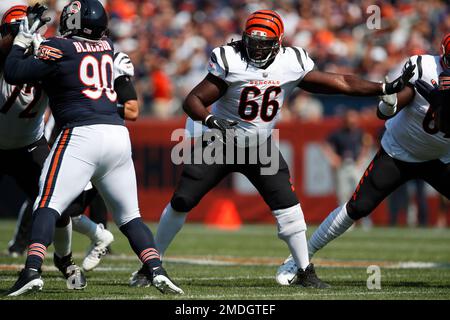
<point>49,53</point>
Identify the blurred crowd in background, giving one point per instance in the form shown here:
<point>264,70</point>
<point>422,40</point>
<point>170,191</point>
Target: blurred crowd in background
<point>170,41</point>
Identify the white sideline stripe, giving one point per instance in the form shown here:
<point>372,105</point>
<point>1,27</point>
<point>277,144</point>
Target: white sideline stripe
<point>219,262</point>
<point>322,263</point>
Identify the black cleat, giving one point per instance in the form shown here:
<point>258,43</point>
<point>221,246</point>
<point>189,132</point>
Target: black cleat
<point>163,283</point>
<point>75,277</point>
<point>309,279</point>
<point>141,278</point>
<point>29,281</point>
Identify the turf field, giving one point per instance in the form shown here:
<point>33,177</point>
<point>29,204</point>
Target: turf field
<point>225,265</point>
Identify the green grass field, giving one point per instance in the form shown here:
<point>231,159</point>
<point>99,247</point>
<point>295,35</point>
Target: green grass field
<point>225,265</point>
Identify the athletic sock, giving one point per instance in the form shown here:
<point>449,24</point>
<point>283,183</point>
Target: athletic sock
<point>170,224</point>
<point>337,222</point>
<point>142,242</point>
<point>63,240</point>
<point>43,229</point>
<point>298,246</point>
<point>86,226</point>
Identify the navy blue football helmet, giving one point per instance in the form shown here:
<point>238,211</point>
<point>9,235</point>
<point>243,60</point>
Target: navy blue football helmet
<point>84,18</point>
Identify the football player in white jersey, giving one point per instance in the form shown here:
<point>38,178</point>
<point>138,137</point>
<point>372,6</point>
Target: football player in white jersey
<point>247,83</point>
<point>23,147</point>
<point>414,146</point>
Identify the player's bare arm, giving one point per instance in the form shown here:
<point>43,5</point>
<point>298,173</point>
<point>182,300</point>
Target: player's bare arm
<point>332,83</point>
<point>208,91</point>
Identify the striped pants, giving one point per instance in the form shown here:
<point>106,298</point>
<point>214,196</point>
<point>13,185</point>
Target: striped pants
<point>97,153</point>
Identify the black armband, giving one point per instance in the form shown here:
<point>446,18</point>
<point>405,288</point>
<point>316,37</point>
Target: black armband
<point>125,89</point>
<point>121,110</point>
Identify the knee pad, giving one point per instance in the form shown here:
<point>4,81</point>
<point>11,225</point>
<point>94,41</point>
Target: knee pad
<point>182,203</point>
<point>63,221</point>
<point>289,221</point>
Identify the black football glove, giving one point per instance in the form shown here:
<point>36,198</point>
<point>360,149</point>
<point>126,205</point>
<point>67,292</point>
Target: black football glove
<point>398,84</point>
<point>35,13</point>
<point>225,126</point>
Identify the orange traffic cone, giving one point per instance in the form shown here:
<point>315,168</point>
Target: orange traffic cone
<point>223,215</point>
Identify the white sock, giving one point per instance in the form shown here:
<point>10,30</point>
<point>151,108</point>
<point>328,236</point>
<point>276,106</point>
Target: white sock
<point>292,230</point>
<point>299,249</point>
<point>63,240</point>
<point>170,223</point>
<point>86,226</point>
<point>332,227</point>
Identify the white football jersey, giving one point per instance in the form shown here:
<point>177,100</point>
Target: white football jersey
<point>22,111</point>
<point>122,65</point>
<point>255,96</point>
<point>410,135</point>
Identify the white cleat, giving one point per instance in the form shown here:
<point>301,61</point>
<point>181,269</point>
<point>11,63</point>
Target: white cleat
<point>163,283</point>
<point>287,272</point>
<point>98,249</point>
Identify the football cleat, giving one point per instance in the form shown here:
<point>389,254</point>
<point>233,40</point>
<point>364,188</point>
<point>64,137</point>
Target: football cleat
<point>141,278</point>
<point>307,278</point>
<point>75,279</point>
<point>163,283</point>
<point>98,248</point>
<point>287,272</point>
<point>157,277</point>
<point>29,281</point>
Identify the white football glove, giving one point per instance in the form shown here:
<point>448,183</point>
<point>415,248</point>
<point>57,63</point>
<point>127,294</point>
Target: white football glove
<point>388,103</point>
<point>37,40</point>
<point>24,38</point>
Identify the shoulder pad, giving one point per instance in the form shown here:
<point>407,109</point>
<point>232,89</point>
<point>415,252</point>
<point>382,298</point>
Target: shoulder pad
<point>123,65</point>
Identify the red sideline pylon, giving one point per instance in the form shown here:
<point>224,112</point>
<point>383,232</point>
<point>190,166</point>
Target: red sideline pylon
<point>223,215</point>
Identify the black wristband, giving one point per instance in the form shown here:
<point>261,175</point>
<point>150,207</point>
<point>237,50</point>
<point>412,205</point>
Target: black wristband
<point>121,110</point>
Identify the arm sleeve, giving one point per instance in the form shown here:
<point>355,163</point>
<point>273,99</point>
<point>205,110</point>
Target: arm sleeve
<point>125,89</point>
<point>20,69</point>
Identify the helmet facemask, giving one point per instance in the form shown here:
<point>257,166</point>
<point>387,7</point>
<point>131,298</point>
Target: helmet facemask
<point>260,49</point>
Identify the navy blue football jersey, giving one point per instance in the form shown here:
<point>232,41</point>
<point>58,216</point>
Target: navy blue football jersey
<point>76,74</point>
<point>81,89</point>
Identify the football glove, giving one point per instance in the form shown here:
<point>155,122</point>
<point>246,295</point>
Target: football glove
<point>398,84</point>
<point>37,40</point>
<point>35,13</point>
<point>225,126</point>
<point>388,103</point>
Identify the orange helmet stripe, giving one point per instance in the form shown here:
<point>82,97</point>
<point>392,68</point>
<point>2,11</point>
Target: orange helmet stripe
<point>16,12</point>
<point>266,21</point>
